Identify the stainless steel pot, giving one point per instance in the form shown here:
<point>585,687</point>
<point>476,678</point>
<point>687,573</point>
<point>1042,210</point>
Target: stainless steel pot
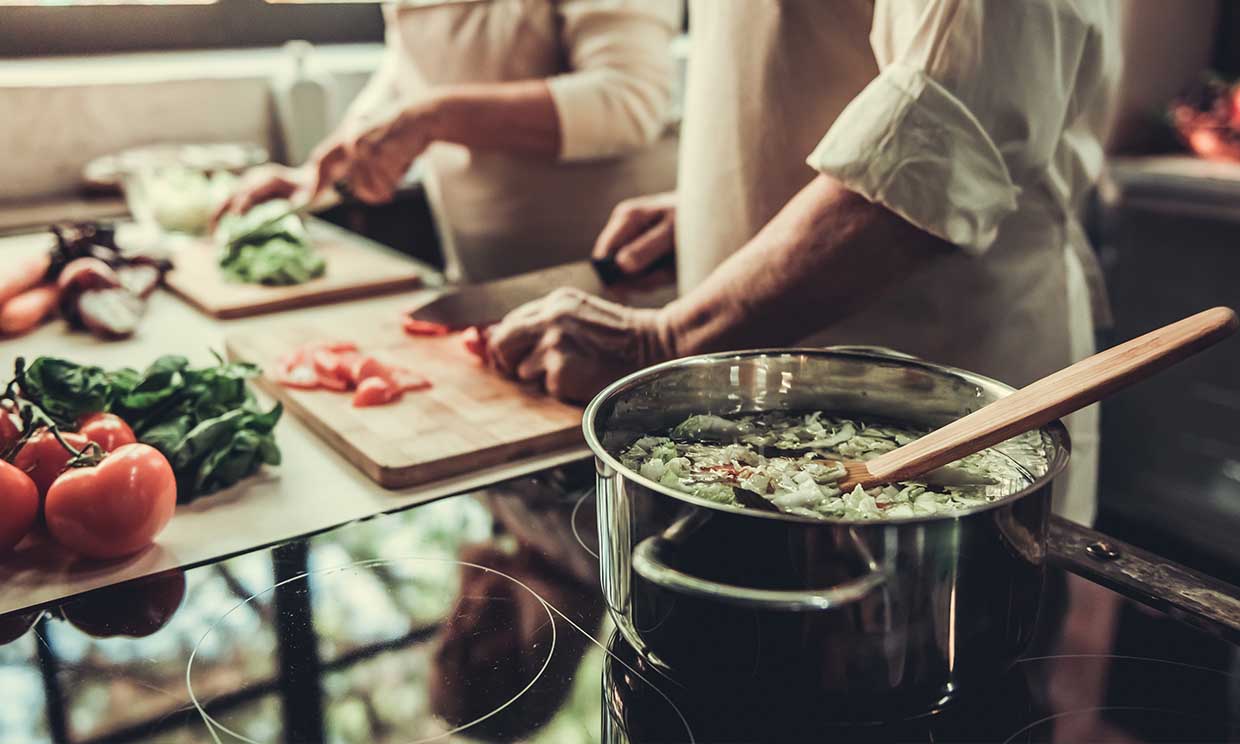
<point>885,618</point>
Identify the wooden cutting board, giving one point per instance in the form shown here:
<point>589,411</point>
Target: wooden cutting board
<point>470,418</point>
<point>356,267</point>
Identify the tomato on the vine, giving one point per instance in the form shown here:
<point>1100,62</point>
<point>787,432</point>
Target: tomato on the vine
<point>114,508</point>
<point>107,430</point>
<point>43,458</point>
<point>10,430</point>
<point>19,505</point>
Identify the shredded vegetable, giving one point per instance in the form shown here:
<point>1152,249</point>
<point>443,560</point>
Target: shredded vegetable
<point>792,460</point>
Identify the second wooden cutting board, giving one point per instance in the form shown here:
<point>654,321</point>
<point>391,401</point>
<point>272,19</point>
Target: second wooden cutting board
<point>356,267</point>
<point>469,419</point>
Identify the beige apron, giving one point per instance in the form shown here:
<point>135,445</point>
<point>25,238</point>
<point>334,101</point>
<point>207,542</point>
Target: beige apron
<point>765,82</point>
<point>499,214</point>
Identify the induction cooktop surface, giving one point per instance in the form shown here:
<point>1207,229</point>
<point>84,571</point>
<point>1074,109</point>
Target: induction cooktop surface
<point>479,618</point>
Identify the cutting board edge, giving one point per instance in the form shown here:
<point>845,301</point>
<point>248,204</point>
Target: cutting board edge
<point>231,312</point>
<point>393,478</point>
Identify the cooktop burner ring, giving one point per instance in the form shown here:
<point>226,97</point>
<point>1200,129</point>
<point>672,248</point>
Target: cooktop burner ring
<point>214,726</point>
<point>572,520</point>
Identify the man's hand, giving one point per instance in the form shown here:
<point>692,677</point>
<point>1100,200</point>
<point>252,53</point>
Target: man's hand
<point>259,185</point>
<point>576,343</point>
<point>373,156</point>
<point>640,231</point>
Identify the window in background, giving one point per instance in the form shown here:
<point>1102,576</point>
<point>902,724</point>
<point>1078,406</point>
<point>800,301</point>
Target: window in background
<point>58,27</point>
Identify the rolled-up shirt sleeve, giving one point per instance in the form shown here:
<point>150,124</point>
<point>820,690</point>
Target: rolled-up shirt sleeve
<point>617,93</point>
<point>967,109</point>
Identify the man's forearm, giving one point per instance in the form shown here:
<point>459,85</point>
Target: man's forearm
<point>825,253</point>
<point>515,117</point>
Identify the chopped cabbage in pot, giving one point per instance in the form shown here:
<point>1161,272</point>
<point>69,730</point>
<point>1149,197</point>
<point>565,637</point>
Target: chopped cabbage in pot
<point>791,459</point>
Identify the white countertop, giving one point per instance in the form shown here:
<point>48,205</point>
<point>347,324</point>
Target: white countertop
<point>314,489</point>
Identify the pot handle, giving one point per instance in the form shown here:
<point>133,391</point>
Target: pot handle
<point>650,566</point>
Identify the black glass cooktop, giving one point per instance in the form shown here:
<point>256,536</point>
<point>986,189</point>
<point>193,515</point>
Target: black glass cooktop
<point>479,619</point>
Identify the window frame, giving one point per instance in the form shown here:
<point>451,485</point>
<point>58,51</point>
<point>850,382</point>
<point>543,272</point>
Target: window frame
<point>91,29</point>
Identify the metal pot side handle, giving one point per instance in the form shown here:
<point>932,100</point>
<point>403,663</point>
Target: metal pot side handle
<point>648,565</point>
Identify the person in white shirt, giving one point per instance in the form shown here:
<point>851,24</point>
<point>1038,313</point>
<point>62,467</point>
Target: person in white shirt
<point>533,117</point>
<point>901,173</point>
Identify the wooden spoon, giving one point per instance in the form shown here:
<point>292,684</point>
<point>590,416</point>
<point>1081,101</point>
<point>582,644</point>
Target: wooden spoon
<point>1041,402</point>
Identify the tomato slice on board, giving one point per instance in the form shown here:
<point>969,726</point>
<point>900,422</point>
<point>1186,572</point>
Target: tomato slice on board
<point>475,341</point>
<point>368,366</point>
<point>375,391</point>
<point>335,346</point>
<point>415,327</point>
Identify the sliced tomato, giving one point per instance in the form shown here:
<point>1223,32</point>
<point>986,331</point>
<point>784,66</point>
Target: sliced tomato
<point>347,360</point>
<point>337,347</point>
<point>374,391</point>
<point>368,366</point>
<point>331,382</point>
<point>475,342</point>
<point>415,327</point>
<point>325,362</point>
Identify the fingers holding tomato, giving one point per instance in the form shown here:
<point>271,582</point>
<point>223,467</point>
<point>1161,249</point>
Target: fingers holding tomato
<point>115,508</point>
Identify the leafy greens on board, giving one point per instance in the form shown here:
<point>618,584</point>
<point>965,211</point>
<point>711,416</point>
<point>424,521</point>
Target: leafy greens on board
<point>277,254</point>
<point>205,420</point>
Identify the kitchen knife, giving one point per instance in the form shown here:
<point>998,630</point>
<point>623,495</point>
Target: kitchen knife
<point>483,304</point>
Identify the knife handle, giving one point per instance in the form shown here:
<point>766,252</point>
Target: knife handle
<point>609,272</point>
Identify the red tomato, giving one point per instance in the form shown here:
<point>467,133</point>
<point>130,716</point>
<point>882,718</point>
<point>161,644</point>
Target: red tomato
<point>115,508</point>
<point>368,366</point>
<point>136,609</point>
<point>331,382</point>
<point>415,327</point>
<point>337,346</point>
<point>107,430</point>
<point>43,458</point>
<point>326,363</point>
<point>19,505</point>
<point>10,430</point>
<point>374,391</point>
<point>475,341</point>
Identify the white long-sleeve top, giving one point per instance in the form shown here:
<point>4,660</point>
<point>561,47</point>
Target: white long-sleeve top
<point>609,68</point>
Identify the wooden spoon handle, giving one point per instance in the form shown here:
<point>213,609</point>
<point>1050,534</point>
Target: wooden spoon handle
<point>1059,394</point>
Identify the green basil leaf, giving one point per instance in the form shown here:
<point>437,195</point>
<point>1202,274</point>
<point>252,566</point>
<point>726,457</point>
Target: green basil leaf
<point>66,390</point>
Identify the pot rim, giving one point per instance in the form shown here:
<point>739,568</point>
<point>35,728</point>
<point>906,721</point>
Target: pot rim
<point>1056,430</point>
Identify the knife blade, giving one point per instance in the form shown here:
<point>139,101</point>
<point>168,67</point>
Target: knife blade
<point>483,304</point>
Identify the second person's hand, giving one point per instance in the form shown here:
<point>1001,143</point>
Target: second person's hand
<point>260,185</point>
<point>639,232</point>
